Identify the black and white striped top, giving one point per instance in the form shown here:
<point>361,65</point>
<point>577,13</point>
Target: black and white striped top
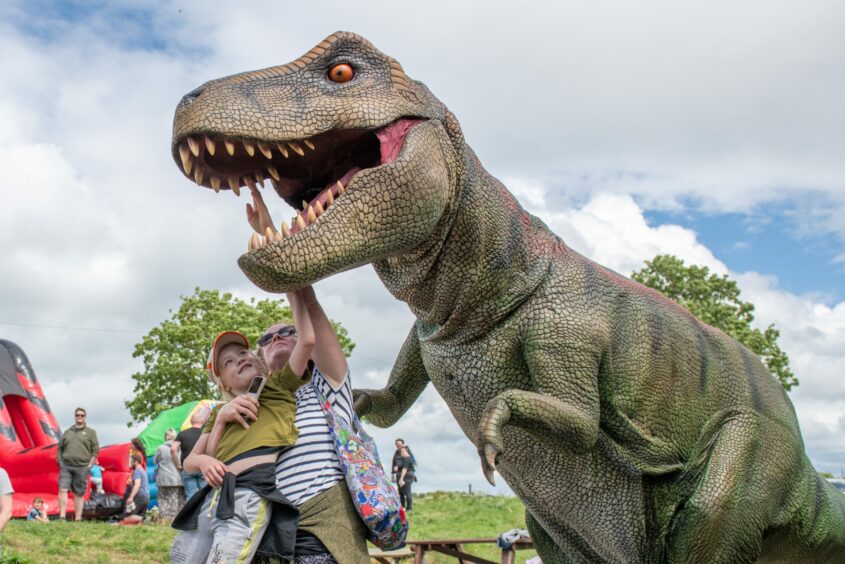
<point>311,466</point>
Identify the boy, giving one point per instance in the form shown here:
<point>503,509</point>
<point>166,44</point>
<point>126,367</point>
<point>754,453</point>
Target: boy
<point>238,460</point>
<point>38,511</point>
<point>97,476</point>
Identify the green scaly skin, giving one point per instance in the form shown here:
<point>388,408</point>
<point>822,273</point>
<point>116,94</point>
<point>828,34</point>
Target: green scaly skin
<point>631,431</point>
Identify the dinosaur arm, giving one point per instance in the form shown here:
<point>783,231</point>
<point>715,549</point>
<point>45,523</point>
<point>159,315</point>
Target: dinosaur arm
<point>563,412</point>
<point>407,381</point>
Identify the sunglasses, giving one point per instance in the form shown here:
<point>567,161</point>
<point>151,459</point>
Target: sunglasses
<point>79,415</point>
<point>286,331</point>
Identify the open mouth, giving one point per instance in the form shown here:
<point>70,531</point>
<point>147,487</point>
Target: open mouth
<point>309,174</point>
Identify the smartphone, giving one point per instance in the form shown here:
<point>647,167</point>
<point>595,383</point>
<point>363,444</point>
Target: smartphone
<point>256,386</point>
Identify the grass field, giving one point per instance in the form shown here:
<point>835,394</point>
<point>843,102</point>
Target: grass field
<point>435,516</point>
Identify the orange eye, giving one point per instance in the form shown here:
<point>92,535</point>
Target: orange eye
<point>341,73</point>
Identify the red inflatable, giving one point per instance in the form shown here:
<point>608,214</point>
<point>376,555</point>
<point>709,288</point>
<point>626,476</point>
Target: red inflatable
<point>29,435</point>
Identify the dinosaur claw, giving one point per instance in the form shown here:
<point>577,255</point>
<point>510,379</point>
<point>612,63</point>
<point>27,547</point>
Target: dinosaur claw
<point>488,462</point>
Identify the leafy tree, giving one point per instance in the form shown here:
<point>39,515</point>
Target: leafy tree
<point>716,301</point>
<point>175,353</point>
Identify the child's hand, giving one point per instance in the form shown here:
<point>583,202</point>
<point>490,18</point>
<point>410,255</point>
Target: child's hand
<point>212,470</point>
<point>239,409</point>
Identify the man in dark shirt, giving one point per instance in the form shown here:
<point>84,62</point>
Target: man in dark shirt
<point>77,450</point>
<point>185,442</point>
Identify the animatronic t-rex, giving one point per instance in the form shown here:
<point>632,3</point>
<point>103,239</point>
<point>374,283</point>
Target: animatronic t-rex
<point>631,431</point>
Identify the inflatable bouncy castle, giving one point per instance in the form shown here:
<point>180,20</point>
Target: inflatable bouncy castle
<point>29,435</point>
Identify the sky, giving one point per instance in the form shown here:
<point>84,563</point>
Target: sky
<point>714,131</point>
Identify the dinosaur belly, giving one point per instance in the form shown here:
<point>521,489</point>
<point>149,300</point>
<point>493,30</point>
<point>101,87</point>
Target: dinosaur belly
<point>567,494</point>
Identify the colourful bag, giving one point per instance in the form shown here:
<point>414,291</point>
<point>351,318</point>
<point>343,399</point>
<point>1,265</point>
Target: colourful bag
<point>375,498</point>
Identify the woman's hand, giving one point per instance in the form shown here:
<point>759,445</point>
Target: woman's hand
<point>212,470</point>
<point>239,410</point>
<point>257,214</point>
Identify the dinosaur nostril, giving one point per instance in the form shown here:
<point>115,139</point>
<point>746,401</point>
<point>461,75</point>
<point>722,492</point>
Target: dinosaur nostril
<point>191,96</point>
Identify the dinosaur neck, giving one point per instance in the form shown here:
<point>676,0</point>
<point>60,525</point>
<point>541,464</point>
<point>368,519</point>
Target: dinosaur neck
<point>485,259</point>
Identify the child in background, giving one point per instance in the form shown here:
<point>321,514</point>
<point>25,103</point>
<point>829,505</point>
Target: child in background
<point>38,511</point>
<point>97,476</point>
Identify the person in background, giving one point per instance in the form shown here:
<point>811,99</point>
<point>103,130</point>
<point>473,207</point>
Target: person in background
<point>138,496</point>
<point>6,492</point>
<point>97,476</point>
<point>182,447</point>
<point>405,477</point>
<point>76,453</point>
<point>171,494</point>
<point>38,512</point>
<point>400,444</point>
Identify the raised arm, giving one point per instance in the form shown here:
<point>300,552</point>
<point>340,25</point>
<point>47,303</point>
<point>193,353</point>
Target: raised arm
<point>327,354</point>
<point>305,343</point>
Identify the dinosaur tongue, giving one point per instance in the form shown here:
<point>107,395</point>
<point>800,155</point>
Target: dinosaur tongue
<point>392,138</point>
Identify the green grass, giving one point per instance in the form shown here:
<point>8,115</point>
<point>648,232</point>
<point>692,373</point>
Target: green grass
<point>439,515</point>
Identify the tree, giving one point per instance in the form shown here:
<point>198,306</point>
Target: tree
<point>715,300</point>
<point>175,352</point>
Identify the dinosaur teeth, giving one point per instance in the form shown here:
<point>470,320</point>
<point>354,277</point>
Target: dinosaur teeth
<point>304,205</point>
<point>185,155</point>
<point>312,216</point>
<point>329,197</point>
<point>254,243</point>
<point>259,179</point>
<point>234,186</point>
<point>209,144</point>
<point>309,144</point>
<point>320,210</point>
<point>285,230</point>
<point>249,148</point>
<point>274,173</point>
<point>215,183</point>
<point>300,222</point>
<point>265,150</point>
<point>277,236</point>
<point>195,147</point>
<point>198,175</point>
<point>282,149</point>
<point>268,234</point>
<point>340,188</point>
<point>249,182</point>
<point>230,147</point>
<point>296,149</point>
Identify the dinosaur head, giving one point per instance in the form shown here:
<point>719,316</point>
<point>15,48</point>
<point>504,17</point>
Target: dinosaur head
<point>360,152</point>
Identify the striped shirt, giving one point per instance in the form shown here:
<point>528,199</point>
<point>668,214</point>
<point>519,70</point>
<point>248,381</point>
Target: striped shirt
<point>311,466</point>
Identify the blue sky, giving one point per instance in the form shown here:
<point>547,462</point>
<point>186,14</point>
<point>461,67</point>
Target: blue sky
<point>733,128</point>
<point>774,238</point>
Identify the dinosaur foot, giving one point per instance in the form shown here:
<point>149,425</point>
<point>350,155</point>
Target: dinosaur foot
<point>488,455</point>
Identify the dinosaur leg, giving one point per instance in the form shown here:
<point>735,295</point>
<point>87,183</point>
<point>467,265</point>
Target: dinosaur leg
<point>742,481</point>
<point>549,552</point>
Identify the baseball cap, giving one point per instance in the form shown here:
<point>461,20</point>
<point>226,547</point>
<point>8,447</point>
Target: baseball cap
<point>223,339</point>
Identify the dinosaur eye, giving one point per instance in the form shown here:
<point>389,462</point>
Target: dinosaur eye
<point>341,73</point>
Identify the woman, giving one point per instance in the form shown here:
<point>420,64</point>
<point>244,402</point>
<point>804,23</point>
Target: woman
<point>171,493</point>
<point>405,476</point>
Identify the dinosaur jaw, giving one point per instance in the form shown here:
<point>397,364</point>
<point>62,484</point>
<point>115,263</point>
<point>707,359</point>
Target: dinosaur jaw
<point>384,211</point>
<point>350,184</point>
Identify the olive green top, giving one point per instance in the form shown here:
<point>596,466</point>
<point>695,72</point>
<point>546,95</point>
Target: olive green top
<point>274,426</point>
